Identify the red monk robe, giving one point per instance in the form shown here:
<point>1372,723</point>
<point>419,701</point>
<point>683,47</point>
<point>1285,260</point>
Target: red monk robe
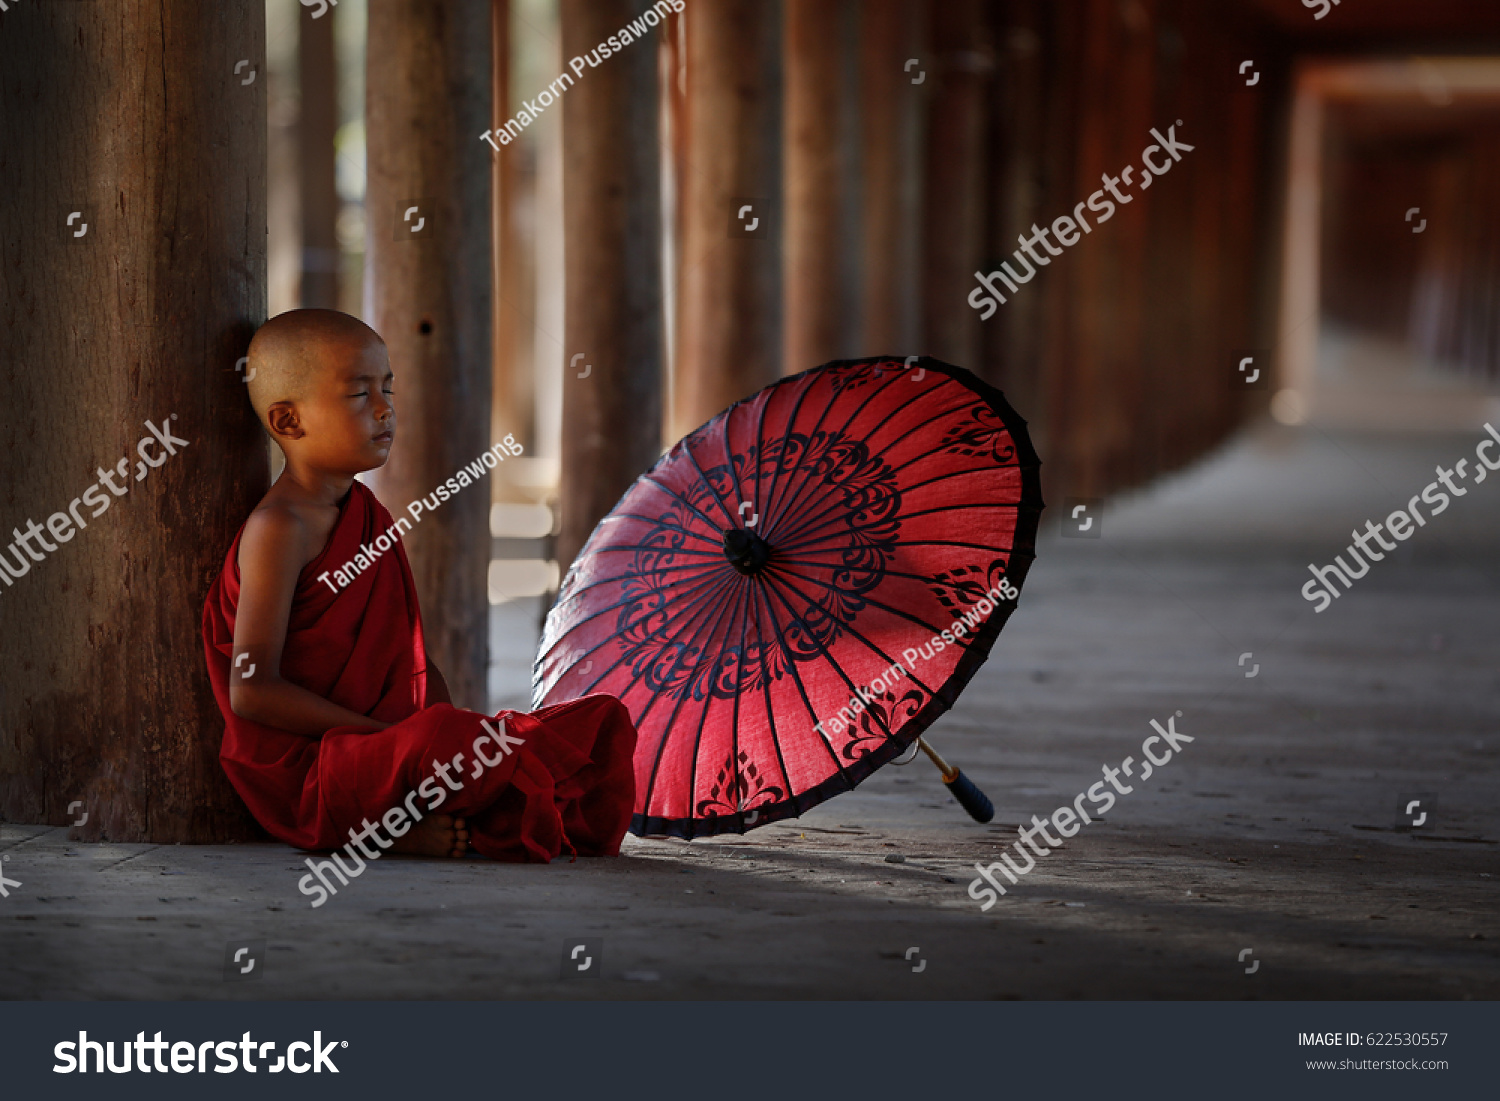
<point>570,784</point>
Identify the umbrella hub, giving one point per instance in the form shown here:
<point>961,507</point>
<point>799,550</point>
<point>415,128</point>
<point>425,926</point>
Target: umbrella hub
<point>746,551</point>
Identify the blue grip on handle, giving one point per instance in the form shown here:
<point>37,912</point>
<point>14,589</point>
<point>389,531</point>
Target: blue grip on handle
<point>970,797</point>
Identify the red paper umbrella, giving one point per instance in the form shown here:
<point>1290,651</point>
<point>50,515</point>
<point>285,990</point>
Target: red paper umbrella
<point>794,592</point>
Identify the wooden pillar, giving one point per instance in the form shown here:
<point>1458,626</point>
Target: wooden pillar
<point>729,278</point>
<point>317,127</point>
<point>1098,390</point>
<point>612,254</point>
<point>1033,119</point>
<point>816,303</point>
<point>891,98</point>
<point>514,396</point>
<point>132,272</point>
<point>1207,230</point>
<point>954,206</point>
<point>427,292</point>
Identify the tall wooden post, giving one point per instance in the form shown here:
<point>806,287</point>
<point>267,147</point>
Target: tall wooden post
<point>132,274</point>
<point>612,254</point>
<point>317,127</point>
<point>954,221</point>
<point>816,300</point>
<point>729,278</point>
<point>427,292</point>
<point>892,92</point>
<point>514,397</point>
<point>1097,379</point>
<point>1033,129</point>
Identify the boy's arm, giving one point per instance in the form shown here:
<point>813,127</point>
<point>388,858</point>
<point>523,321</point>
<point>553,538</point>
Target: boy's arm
<point>273,550</point>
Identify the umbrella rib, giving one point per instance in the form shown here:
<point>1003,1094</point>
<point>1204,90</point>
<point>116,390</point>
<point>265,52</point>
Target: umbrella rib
<point>625,656</point>
<point>702,477</point>
<point>707,564</point>
<point>758,442</point>
<point>849,626</point>
<point>716,553</point>
<point>944,543</point>
<point>697,584</point>
<point>1010,550</point>
<point>928,543</point>
<point>814,522</point>
<point>703,719</point>
<point>657,520</point>
<point>785,506</point>
<point>697,566</point>
<point>820,533</point>
<point>807,388</point>
<point>698,587</point>
<point>661,744</point>
<point>734,729</point>
<point>871,396</point>
<point>703,590</point>
<point>925,454</point>
<point>958,406</point>
<point>646,477</point>
<point>837,667</point>
<point>775,503</point>
<point>791,666</point>
<point>765,685</point>
<point>939,415</point>
<point>739,489</point>
<point>884,572</point>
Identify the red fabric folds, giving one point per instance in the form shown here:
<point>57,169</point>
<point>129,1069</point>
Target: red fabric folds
<point>570,784</point>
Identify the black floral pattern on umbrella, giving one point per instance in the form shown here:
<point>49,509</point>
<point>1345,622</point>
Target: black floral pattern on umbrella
<point>863,519</point>
<point>967,585</point>
<point>736,788</point>
<point>885,713</point>
<point>987,435</point>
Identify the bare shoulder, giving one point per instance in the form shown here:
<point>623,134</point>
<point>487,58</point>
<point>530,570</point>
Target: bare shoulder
<point>280,538</point>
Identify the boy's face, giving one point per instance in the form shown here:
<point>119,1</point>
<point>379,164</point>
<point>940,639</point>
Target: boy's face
<point>348,421</point>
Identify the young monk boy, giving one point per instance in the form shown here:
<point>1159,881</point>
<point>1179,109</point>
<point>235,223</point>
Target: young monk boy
<point>339,728</point>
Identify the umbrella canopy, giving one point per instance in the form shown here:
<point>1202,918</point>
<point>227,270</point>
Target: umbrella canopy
<point>796,590</point>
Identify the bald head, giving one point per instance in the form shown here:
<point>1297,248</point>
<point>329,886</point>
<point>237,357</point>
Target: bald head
<point>294,349</point>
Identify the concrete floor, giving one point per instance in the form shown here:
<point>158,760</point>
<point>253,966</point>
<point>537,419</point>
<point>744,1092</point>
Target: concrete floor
<point>1274,831</point>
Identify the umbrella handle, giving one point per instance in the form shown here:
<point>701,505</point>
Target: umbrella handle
<point>969,797</point>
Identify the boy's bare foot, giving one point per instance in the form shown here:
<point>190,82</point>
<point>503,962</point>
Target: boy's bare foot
<point>435,835</point>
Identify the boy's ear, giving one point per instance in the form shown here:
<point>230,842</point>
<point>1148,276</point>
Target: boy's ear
<point>283,421</point>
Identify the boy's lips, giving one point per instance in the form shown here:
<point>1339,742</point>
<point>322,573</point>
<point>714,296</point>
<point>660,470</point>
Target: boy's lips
<point>384,437</point>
